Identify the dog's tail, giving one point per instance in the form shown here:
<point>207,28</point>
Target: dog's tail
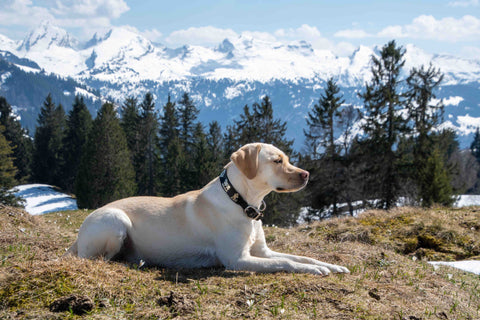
<point>72,251</point>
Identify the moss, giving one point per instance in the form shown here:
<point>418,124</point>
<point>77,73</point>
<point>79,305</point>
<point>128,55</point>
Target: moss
<point>429,241</point>
<point>410,245</point>
<point>33,290</point>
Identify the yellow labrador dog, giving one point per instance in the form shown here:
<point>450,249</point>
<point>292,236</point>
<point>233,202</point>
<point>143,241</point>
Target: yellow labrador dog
<point>217,225</point>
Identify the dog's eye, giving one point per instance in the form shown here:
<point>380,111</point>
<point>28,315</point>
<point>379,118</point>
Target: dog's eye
<point>278,160</point>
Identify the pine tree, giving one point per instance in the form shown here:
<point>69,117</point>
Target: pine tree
<point>171,154</point>
<point>323,120</point>
<point>19,141</point>
<point>270,130</point>
<point>130,124</point>
<point>384,123</point>
<point>326,171</point>
<point>7,172</point>
<point>47,161</point>
<point>106,172</point>
<point>79,123</point>
<point>434,182</point>
<point>147,161</point>
<point>188,113</point>
<point>475,145</point>
<point>204,168</point>
<point>426,115</point>
<point>215,142</point>
<point>246,129</point>
<point>230,140</point>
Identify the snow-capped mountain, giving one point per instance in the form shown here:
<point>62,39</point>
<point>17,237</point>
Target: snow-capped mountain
<point>122,54</point>
<point>236,72</point>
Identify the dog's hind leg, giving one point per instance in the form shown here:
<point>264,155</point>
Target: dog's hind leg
<point>103,233</point>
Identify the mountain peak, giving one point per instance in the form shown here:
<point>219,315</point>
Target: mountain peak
<point>46,35</point>
<point>226,46</point>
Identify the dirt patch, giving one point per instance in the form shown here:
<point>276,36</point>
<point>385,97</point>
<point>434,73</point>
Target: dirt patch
<point>76,304</point>
<point>178,305</point>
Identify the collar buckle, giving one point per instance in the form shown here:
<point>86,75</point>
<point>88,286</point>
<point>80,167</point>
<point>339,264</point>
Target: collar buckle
<point>255,213</point>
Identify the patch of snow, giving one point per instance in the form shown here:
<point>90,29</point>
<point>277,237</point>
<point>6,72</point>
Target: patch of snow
<point>452,101</point>
<point>43,198</point>
<point>27,69</point>
<point>66,93</point>
<point>472,266</point>
<point>466,200</point>
<point>4,77</point>
<point>232,92</point>
<point>85,93</point>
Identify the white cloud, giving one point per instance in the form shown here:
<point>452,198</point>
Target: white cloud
<point>445,29</point>
<point>259,35</point>
<point>81,14</point>
<point>304,32</point>
<point>313,36</point>
<point>207,35</point>
<point>152,35</point>
<point>391,32</point>
<point>22,12</point>
<point>470,52</point>
<point>91,8</point>
<point>464,4</point>
<point>352,34</point>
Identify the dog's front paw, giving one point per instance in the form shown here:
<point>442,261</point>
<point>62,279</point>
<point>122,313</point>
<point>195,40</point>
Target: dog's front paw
<point>316,270</point>
<point>338,269</point>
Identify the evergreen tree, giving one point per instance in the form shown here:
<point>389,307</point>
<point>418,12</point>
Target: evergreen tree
<point>230,140</point>
<point>204,168</point>
<point>245,130</point>
<point>188,113</point>
<point>435,182</point>
<point>215,142</point>
<point>323,120</point>
<point>172,156</point>
<point>270,130</point>
<point>7,172</point>
<point>79,123</point>
<point>106,172</point>
<point>384,123</point>
<point>326,171</point>
<point>475,145</point>
<point>19,141</point>
<point>425,115</point>
<point>130,124</point>
<point>47,161</point>
<point>147,161</point>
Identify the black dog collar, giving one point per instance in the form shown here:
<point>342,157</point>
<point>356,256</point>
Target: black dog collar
<point>251,211</point>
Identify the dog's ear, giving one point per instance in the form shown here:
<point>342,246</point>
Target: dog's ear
<point>246,159</point>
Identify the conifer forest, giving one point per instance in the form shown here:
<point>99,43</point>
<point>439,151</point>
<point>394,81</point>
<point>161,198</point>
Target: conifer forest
<point>392,152</point>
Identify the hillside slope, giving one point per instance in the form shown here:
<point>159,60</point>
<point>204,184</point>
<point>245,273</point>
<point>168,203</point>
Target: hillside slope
<point>386,282</point>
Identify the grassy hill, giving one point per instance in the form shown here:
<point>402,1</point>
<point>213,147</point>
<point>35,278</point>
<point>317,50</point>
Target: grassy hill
<point>385,251</point>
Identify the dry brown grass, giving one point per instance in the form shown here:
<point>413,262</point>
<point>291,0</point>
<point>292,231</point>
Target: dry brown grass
<point>385,282</point>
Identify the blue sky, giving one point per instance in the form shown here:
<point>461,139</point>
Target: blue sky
<point>448,26</point>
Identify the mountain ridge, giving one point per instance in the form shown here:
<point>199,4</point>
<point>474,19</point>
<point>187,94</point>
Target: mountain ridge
<point>235,72</point>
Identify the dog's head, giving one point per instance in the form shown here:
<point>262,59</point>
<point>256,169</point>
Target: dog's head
<point>268,165</point>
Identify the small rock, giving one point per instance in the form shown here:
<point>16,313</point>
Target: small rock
<point>373,293</point>
<point>103,303</point>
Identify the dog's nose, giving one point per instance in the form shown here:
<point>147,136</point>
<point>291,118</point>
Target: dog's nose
<point>304,175</point>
